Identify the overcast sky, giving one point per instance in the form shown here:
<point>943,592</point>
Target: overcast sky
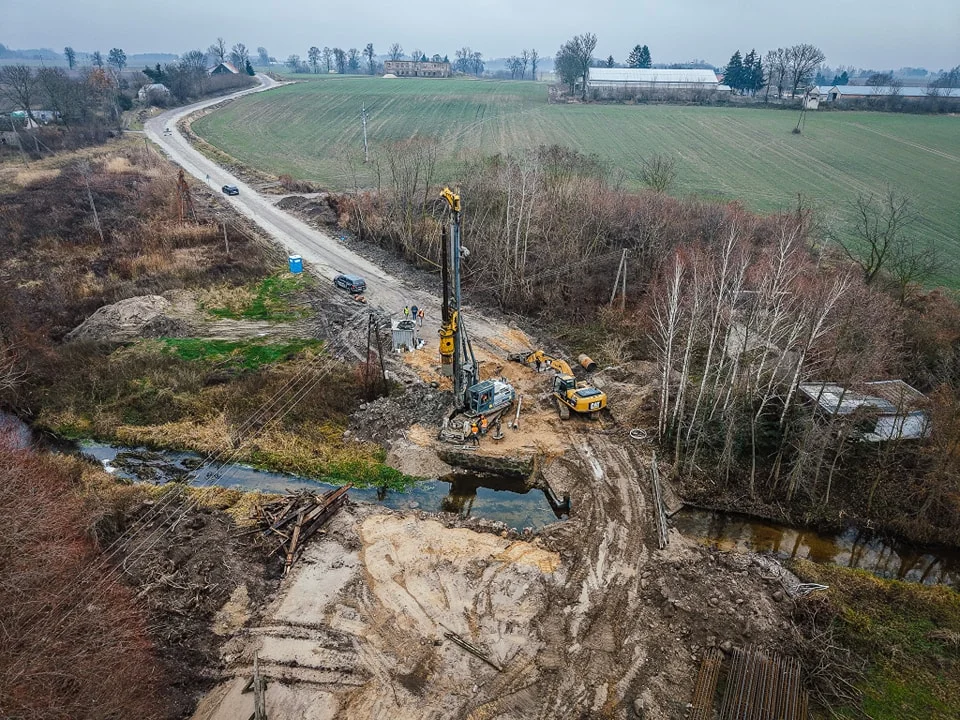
<point>864,33</point>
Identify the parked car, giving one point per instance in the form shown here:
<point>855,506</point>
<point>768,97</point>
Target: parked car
<point>231,190</point>
<point>351,283</point>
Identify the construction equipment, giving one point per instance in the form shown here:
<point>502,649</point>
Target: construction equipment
<point>568,392</point>
<point>456,352</point>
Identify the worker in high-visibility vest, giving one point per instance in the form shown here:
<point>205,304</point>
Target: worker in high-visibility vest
<point>483,424</point>
<point>474,433</point>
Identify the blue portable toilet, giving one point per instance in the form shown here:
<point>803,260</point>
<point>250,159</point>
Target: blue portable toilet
<point>296,263</point>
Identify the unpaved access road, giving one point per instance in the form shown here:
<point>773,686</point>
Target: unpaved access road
<point>589,620</point>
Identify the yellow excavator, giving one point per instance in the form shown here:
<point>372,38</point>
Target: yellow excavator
<point>568,393</point>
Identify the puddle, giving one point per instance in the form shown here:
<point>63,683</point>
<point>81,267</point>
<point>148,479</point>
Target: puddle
<point>853,548</point>
<point>482,496</point>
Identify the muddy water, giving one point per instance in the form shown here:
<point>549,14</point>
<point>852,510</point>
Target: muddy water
<point>852,548</point>
<point>469,496</point>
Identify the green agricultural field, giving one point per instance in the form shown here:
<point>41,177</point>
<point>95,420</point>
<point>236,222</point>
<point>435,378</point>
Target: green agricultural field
<point>748,154</point>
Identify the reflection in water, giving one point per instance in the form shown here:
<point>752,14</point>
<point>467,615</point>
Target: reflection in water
<point>852,548</point>
<point>484,496</point>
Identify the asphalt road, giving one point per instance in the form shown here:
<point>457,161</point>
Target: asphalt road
<point>323,255</point>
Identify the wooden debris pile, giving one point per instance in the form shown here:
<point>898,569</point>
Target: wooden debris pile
<point>292,520</point>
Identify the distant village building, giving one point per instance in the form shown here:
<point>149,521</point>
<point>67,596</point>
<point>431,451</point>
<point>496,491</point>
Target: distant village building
<point>153,91</point>
<point>882,410</point>
<point>416,68</point>
<point>839,93</point>
<point>223,68</point>
<point>654,79</point>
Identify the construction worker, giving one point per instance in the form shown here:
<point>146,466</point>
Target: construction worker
<point>406,311</point>
<point>483,424</point>
<point>474,433</point>
<point>497,429</point>
<point>420,316</point>
<point>538,364</point>
<point>413,312</point>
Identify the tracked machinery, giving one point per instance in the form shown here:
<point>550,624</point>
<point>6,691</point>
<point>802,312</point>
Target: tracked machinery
<point>569,394</point>
<point>472,397</point>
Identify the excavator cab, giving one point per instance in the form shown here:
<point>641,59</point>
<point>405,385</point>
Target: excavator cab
<point>564,384</point>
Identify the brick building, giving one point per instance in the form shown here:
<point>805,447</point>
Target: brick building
<point>412,68</point>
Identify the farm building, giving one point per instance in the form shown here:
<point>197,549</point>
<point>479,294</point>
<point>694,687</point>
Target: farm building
<point>883,410</point>
<point>411,68</point>
<point>223,68</point>
<point>653,79</point>
<point>839,93</point>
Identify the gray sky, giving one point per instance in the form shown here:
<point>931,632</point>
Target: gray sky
<point>864,33</point>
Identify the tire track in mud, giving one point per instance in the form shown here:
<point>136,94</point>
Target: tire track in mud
<point>591,619</point>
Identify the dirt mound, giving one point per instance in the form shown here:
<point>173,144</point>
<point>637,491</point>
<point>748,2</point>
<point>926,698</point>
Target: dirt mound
<point>388,417</point>
<point>142,316</point>
<point>320,208</point>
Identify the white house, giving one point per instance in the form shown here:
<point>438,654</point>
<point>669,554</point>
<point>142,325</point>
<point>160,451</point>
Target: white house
<point>838,93</point>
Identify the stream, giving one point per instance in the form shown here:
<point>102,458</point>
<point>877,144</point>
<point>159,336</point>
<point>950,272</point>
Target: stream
<point>519,507</point>
<point>852,548</point>
<point>484,496</point>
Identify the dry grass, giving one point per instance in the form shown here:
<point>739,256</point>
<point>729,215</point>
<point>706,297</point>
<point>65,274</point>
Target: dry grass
<point>117,164</point>
<point>233,298</point>
<point>35,176</point>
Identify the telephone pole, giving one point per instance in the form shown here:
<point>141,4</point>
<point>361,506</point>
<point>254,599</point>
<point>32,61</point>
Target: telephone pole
<point>363,119</point>
<point>620,281</point>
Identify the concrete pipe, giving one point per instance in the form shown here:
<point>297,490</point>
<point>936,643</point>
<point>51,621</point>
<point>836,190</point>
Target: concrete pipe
<point>586,363</point>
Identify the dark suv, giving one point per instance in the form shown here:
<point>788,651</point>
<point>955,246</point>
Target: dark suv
<point>231,190</point>
<point>351,283</point>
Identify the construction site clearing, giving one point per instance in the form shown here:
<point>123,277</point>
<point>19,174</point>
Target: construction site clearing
<point>409,614</point>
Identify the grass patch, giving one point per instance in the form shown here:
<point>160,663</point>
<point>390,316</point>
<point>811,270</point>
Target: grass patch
<point>273,298</point>
<point>240,354</point>
<point>722,153</point>
<point>909,635</point>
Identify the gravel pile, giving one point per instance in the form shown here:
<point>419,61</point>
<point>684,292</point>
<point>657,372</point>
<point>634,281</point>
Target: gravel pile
<point>388,417</point>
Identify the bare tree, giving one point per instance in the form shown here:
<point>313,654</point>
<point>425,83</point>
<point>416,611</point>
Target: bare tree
<point>574,60</point>
<point>327,58</point>
<point>877,233</point>
<point>263,57</point>
<point>353,60</point>
<point>70,54</point>
<point>658,172</point>
<point>18,84</point>
<point>117,58</point>
<point>803,61</point>
<point>777,68</point>
<point>524,61</point>
<point>218,51</point>
<point>61,94</point>
<point>395,52</point>
<point>97,59</point>
<point>239,56</point>
<point>534,61</point>
<point>313,56</point>
<point>371,56</point>
<point>416,54</point>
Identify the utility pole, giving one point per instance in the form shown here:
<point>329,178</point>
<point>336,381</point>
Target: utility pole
<point>363,119</point>
<point>226,241</point>
<point>620,281</point>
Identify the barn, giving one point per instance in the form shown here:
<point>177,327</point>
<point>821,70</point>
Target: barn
<point>653,78</point>
<point>223,68</point>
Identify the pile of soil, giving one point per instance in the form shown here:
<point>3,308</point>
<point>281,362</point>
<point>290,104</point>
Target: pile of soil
<point>320,208</point>
<point>387,418</point>
<point>141,316</point>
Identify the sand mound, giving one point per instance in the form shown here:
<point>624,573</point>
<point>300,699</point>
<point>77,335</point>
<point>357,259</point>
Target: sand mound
<point>143,316</point>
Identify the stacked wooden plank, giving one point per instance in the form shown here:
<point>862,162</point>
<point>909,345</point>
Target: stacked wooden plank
<point>295,518</point>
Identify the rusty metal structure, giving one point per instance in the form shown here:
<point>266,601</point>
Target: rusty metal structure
<point>757,686</point>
